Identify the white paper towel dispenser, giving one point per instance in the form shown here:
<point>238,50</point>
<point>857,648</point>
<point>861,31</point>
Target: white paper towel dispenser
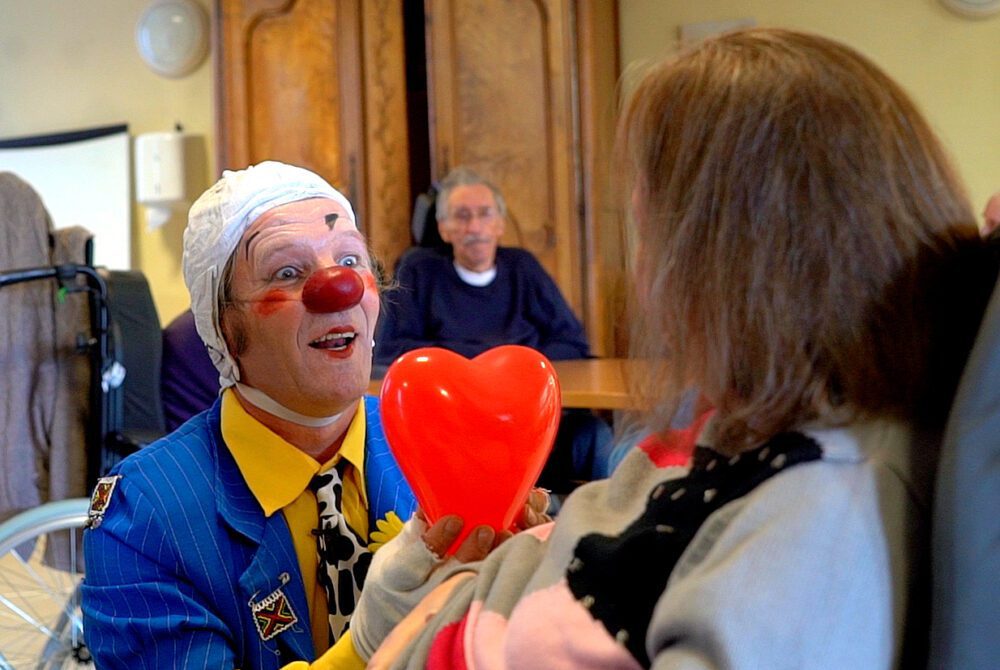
<point>160,174</point>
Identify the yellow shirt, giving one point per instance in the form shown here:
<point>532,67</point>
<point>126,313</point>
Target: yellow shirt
<point>259,454</point>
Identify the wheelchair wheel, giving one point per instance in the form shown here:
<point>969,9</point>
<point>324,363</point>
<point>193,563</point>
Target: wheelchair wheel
<point>40,574</point>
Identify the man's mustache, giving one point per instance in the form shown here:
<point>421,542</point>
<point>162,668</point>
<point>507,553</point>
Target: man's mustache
<point>475,239</point>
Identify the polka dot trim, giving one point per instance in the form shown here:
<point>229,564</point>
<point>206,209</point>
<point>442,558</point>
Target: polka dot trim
<point>620,578</point>
<point>344,557</point>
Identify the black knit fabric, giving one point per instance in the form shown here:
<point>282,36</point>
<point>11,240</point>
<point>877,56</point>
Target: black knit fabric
<point>620,579</point>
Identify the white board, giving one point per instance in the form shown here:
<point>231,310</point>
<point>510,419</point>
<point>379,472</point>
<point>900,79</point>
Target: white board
<point>84,179</point>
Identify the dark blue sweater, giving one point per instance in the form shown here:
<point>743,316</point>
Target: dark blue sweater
<point>433,307</point>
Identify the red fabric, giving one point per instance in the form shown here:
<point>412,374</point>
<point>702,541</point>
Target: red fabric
<point>447,651</point>
<point>674,447</point>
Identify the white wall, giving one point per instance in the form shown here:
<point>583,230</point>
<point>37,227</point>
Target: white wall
<point>949,64</point>
<point>71,64</point>
<point>67,64</point>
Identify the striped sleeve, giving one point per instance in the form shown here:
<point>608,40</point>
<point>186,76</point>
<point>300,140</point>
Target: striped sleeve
<point>140,608</point>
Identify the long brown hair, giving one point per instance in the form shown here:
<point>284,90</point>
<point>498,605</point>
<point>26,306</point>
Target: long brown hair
<point>789,201</point>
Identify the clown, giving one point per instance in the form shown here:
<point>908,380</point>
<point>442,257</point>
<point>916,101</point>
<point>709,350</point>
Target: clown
<point>242,539</point>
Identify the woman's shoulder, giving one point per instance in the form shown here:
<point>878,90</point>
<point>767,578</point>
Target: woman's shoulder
<point>884,446</point>
<point>861,476</point>
<point>836,490</point>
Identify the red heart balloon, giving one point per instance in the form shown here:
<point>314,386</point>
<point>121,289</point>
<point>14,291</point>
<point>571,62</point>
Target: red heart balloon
<point>471,436</point>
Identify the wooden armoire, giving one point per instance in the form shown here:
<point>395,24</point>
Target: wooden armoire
<point>383,96</point>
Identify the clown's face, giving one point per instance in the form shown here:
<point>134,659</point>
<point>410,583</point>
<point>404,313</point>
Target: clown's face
<point>315,363</point>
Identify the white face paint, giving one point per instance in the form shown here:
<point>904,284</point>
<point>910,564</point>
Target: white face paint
<point>316,364</point>
<point>217,222</point>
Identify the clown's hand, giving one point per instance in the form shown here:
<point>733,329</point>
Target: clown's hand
<point>406,569</point>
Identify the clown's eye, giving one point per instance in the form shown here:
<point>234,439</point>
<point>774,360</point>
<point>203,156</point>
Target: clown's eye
<point>287,272</point>
<point>351,260</point>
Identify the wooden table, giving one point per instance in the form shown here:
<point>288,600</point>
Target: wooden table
<point>594,383</point>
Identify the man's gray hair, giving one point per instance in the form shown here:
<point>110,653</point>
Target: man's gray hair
<point>463,176</point>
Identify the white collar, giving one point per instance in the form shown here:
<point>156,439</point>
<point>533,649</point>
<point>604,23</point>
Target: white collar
<point>476,278</point>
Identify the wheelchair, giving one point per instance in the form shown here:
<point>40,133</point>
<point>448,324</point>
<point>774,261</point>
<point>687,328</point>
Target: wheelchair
<point>41,561</point>
<point>41,568</point>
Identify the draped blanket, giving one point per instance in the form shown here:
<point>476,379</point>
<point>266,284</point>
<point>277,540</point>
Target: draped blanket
<point>44,380</point>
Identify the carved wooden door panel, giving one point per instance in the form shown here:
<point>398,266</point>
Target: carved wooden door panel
<point>320,83</point>
<point>522,90</point>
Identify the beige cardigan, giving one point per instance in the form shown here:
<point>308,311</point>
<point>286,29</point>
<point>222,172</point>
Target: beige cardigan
<point>44,385</point>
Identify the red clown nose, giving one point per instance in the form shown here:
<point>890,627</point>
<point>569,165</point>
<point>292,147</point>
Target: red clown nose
<point>332,289</point>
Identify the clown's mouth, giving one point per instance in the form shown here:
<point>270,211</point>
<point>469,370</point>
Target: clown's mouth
<point>340,341</point>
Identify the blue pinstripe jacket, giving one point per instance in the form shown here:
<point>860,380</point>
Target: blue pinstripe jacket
<point>184,551</point>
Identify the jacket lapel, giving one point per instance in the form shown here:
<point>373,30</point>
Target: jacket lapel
<point>387,488</point>
<point>271,585</point>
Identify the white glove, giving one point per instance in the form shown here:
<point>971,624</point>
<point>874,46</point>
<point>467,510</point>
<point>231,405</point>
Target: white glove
<point>401,574</point>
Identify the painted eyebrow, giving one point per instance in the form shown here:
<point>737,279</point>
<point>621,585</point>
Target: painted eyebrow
<point>250,239</point>
<point>354,234</point>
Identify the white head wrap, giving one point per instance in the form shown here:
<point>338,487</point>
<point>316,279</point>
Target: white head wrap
<point>216,224</point>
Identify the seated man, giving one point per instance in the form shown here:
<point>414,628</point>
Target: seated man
<point>242,539</point>
<point>481,295</point>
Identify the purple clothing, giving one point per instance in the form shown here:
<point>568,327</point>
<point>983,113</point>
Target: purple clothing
<point>189,383</point>
<point>433,307</point>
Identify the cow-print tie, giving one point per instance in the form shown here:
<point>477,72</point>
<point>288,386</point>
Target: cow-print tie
<point>343,555</point>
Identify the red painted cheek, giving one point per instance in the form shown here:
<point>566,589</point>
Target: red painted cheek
<point>274,301</point>
<point>369,281</point>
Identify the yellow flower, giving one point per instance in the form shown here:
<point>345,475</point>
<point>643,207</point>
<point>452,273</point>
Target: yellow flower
<point>386,529</point>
